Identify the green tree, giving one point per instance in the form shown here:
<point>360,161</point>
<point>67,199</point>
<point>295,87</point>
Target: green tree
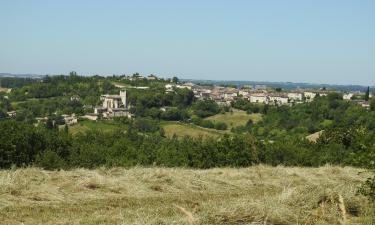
<point>367,94</point>
<point>372,104</point>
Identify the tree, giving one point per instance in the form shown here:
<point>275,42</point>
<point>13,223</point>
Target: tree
<point>220,126</point>
<point>73,73</point>
<point>367,94</point>
<point>206,108</point>
<point>175,79</point>
<point>372,104</point>
<point>183,97</point>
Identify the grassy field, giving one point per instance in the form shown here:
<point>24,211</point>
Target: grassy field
<point>159,196</point>
<point>235,119</point>
<point>6,90</point>
<point>181,130</point>
<point>315,136</point>
<point>86,125</point>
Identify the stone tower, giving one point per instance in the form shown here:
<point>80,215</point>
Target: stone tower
<point>123,98</point>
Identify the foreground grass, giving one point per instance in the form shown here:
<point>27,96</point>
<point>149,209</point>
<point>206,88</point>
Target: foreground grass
<point>255,195</point>
<point>235,119</point>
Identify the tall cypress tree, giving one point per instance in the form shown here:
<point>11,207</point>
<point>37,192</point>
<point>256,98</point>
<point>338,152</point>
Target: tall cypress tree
<point>367,95</point>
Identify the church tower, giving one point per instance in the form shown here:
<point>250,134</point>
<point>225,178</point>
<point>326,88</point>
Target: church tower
<point>123,98</point>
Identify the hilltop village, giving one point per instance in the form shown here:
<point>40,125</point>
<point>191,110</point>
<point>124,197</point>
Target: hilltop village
<point>110,105</point>
<point>260,94</point>
<point>116,105</point>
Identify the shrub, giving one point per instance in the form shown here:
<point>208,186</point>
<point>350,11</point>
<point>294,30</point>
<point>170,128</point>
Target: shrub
<point>368,189</point>
<point>221,126</point>
<point>207,124</point>
<point>49,160</point>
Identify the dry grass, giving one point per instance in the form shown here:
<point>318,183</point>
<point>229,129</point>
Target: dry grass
<point>315,136</point>
<point>181,130</point>
<point>88,125</point>
<point>255,195</point>
<point>6,90</point>
<point>235,119</point>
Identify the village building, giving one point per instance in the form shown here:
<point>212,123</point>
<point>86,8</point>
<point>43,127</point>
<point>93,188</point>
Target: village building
<point>202,94</point>
<point>172,87</point>
<point>90,116</point>
<point>75,98</point>
<point>244,93</point>
<point>295,96</point>
<point>366,105</point>
<point>229,94</point>
<point>348,96</point>
<point>169,88</point>
<point>152,77</point>
<point>309,96</point>
<point>278,98</point>
<point>141,87</point>
<point>259,98</point>
<point>12,113</point>
<point>113,106</point>
<point>70,119</point>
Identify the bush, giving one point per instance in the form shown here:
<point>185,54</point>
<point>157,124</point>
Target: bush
<point>368,189</point>
<point>221,126</point>
<point>207,124</point>
<point>49,160</point>
<point>146,125</point>
<point>206,108</point>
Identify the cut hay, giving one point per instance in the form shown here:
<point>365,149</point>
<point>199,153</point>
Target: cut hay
<point>254,195</point>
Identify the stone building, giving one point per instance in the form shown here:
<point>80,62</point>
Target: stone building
<point>113,106</point>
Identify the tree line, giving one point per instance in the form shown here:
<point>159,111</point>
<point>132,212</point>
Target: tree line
<point>144,144</point>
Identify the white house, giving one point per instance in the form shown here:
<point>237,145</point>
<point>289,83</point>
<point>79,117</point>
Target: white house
<point>309,95</point>
<point>278,99</point>
<point>169,87</point>
<point>259,98</point>
<point>69,120</point>
<point>347,96</point>
<point>295,96</point>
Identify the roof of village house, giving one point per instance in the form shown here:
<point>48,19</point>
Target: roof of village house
<point>281,95</point>
<point>112,96</point>
<point>119,109</point>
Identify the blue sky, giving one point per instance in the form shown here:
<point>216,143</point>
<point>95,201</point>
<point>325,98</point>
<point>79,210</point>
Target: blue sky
<point>320,41</point>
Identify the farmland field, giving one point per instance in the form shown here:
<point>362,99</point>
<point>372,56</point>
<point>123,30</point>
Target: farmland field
<point>6,90</point>
<point>235,119</point>
<point>86,125</point>
<point>246,196</point>
<point>181,130</point>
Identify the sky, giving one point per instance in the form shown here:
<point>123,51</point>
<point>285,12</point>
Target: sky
<point>315,41</point>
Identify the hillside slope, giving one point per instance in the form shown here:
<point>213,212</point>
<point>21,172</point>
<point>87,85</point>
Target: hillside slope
<point>255,195</point>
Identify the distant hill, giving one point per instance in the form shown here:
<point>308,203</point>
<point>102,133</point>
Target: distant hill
<point>27,75</point>
<point>283,85</point>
